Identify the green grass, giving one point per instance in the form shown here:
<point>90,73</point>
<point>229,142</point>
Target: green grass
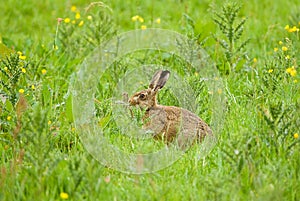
<point>257,156</point>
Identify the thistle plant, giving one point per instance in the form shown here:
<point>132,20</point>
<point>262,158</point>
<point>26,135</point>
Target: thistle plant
<point>11,70</point>
<point>232,30</point>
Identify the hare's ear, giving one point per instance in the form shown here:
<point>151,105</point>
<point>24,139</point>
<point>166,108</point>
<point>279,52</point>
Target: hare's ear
<point>159,80</point>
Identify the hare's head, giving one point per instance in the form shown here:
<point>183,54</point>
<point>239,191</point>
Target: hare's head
<point>147,98</point>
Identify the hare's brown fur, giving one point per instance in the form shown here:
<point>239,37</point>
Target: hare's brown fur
<point>168,122</point>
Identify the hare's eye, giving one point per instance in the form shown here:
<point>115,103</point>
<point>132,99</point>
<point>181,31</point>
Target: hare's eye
<point>142,96</point>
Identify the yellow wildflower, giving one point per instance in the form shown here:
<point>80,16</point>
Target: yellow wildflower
<point>32,87</point>
<point>19,53</point>
<point>5,68</point>
<point>270,70</point>
<point>64,196</point>
<point>296,135</point>
<point>23,70</point>
<point>143,27</point>
<point>89,17</point>
<point>73,22</point>
<point>77,16</point>
<point>293,29</point>
<point>73,9</point>
<point>284,48</point>
<point>287,27</point>
<point>44,71</point>
<point>157,20</point>
<point>292,71</point>
<point>55,47</point>
<point>8,118</point>
<point>80,23</point>
<point>21,91</point>
<point>275,49</point>
<point>295,81</point>
<point>135,18</point>
<point>280,42</point>
<point>254,60</point>
<point>141,19</point>
<point>49,122</point>
<point>67,20</point>
<point>22,57</point>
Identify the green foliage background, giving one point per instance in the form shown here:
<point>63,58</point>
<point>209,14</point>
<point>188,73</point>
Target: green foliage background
<point>257,155</point>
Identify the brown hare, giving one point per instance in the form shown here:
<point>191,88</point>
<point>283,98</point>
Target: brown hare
<point>168,123</point>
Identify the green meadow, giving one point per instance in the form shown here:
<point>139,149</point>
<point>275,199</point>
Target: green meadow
<point>254,46</point>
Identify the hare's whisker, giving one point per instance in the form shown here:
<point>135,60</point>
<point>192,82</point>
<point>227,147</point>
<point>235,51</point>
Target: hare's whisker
<point>121,103</point>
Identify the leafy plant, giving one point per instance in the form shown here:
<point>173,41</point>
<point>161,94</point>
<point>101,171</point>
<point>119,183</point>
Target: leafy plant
<point>11,70</point>
<point>98,28</point>
<point>279,98</point>
<point>231,42</point>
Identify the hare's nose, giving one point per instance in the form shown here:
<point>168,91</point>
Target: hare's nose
<point>132,101</point>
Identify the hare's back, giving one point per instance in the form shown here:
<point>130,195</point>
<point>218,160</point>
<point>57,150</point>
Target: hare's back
<point>190,123</point>
<point>173,121</point>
